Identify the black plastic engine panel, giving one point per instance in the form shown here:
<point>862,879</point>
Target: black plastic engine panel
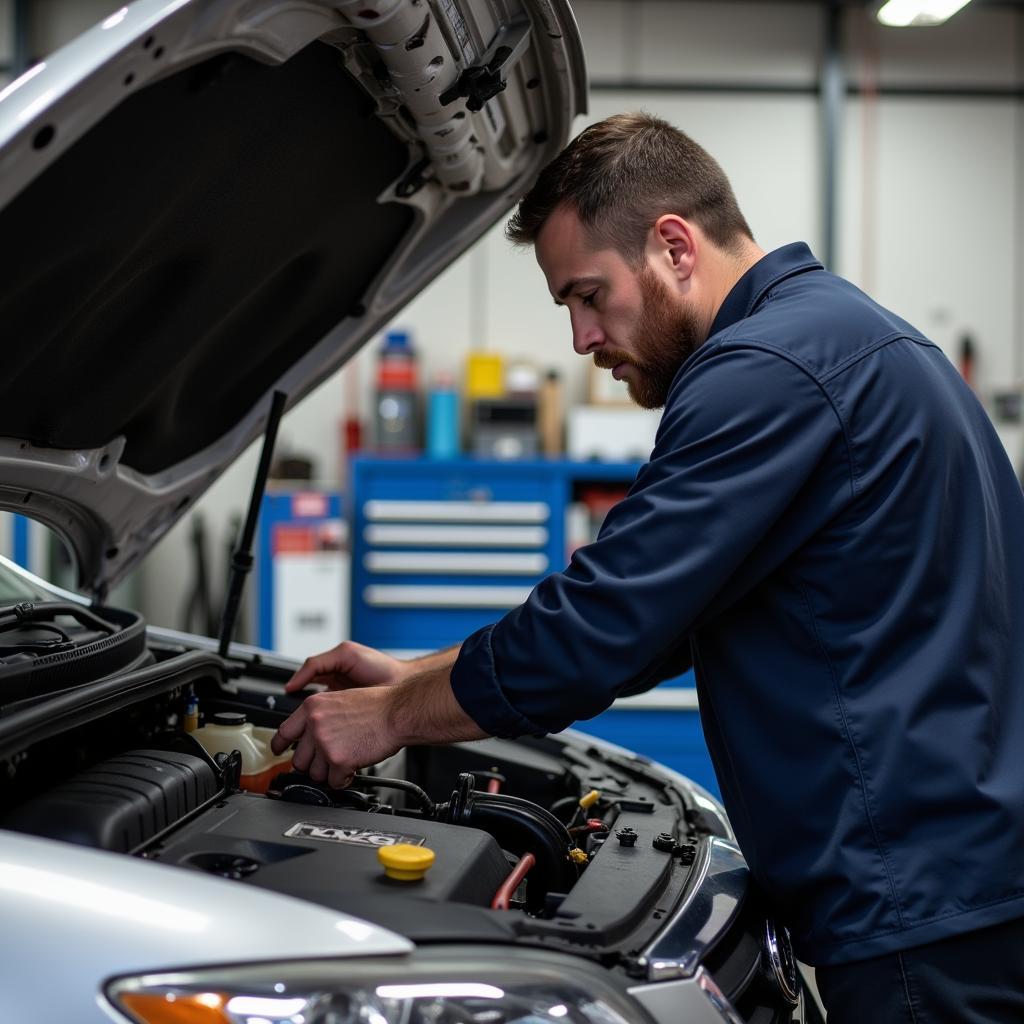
<point>121,803</point>
<point>329,854</point>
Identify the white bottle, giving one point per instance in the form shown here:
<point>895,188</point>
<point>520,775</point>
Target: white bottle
<point>229,731</point>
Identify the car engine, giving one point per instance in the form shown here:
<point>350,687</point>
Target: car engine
<point>551,842</point>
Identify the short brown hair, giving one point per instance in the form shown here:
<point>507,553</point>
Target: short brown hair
<point>621,175</point>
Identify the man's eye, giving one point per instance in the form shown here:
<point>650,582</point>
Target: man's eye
<point>588,300</point>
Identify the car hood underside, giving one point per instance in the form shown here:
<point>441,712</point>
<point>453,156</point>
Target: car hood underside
<point>206,201</point>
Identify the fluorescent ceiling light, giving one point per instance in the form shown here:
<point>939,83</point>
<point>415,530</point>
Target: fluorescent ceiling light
<point>901,13</point>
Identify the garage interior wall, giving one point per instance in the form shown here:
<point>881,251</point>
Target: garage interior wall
<point>928,212</point>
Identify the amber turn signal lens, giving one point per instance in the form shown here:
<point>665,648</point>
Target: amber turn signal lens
<point>168,1008</point>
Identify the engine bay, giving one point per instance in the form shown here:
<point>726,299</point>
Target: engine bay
<point>557,842</point>
<point>542,839</point>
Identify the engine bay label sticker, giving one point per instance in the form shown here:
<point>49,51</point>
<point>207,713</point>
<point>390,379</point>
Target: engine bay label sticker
<point>328,833</point>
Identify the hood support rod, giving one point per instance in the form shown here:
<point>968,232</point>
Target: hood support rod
<point>241,560</point>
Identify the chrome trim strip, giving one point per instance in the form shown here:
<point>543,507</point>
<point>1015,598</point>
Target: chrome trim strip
<point>716,997</point>
<point>780,962</point>
<point>718,883</point>
<point>696,1000</point>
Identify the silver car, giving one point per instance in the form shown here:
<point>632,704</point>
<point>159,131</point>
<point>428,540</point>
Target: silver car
<point>203,204</point>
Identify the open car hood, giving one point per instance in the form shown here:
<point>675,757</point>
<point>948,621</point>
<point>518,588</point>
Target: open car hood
<point>205,201</point>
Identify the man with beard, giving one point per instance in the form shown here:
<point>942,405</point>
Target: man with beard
<point>828,527</point>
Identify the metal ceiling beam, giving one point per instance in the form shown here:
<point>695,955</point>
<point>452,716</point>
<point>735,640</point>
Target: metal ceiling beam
<point>753,88</point>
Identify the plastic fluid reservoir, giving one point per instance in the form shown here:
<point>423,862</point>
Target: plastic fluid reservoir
<point>229,731</point>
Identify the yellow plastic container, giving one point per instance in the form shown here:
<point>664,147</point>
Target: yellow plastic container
<point>485,375</point>
<point>229,731</point>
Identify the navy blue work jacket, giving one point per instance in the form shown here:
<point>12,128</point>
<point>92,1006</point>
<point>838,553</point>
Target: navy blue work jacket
<point>829,521</point>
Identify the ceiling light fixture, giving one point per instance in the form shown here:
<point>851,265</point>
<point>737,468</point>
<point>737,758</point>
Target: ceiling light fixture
<point>903,13</point>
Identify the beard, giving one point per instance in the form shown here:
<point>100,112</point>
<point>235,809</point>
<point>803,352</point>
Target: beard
<point>667,334</point>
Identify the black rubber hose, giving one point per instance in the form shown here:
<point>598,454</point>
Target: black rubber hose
<point>26,613</point>
<point>409,787</point>
<point>523,827</point>
<point>571,802</point>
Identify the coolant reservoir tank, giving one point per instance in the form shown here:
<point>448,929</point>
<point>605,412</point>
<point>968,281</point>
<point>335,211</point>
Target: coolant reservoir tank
<point>229,731</point>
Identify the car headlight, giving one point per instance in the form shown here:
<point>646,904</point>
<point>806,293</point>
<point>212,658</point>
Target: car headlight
<point>513,987</point>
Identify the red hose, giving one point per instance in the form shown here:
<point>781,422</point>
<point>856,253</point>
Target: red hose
<point>503,896</point>
<point>494,785</point>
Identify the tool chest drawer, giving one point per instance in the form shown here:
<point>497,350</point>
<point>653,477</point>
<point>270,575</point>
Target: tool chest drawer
<point>443,548</point>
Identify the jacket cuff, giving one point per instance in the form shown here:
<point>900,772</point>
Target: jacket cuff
<point>476,688</point>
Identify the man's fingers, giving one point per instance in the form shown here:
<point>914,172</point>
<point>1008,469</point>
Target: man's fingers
<point>305,753</point>
<point>319,768</point>
<point>289,730</point>
<point>337,733</point>
<point>336,662</point>
<point>311,668</point>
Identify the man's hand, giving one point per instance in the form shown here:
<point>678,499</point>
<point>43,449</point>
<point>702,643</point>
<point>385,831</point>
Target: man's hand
<point>350,665</point>
<point>340,732</point>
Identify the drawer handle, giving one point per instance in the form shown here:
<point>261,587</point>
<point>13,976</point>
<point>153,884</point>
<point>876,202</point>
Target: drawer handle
<point>463,563</point>
<point>388,596</point>
<point>381,510</point>
<point>456,536</point>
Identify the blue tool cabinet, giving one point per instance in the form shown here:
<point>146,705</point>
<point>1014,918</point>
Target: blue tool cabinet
<point>441,548</point>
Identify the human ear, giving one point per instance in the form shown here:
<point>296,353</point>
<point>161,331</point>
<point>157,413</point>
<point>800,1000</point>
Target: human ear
<point>676,242</point>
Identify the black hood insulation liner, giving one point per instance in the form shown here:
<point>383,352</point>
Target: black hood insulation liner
<point>168,268</point>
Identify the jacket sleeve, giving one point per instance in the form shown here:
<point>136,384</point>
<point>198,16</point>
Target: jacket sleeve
<point>668,665</point>
<point>743,432</point>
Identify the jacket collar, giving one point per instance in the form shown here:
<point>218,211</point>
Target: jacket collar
<point>749,291</point>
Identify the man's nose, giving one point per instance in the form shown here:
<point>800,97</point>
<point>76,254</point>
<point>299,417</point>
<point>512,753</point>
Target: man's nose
<point>586,337</point>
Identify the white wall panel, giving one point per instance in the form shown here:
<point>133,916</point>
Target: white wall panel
<point>930,225</point>
<point>767,145</point>
<point>935,239</point>
<point>605,26</point>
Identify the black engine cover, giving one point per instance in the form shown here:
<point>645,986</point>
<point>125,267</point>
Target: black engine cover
<point>121,803</point>
<point>329,855</point>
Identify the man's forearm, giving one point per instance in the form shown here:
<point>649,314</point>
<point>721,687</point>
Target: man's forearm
<point>428,662</point>
<point>423,708</point>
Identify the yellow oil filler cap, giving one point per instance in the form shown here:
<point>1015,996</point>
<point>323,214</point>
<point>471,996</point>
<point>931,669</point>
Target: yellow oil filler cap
<point>405,862</point>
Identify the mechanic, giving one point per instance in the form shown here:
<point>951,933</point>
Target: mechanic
<point>828,526</point>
